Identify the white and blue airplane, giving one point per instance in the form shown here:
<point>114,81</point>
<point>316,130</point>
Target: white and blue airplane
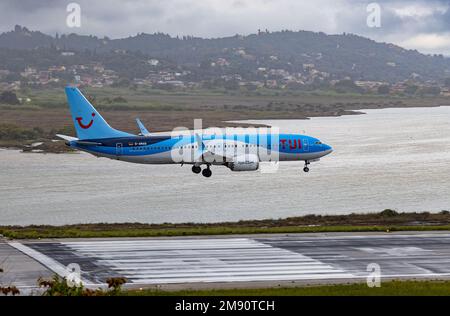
<point>238,152</point>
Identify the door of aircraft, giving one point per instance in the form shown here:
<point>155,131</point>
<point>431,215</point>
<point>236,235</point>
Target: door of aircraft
<point>305,144</point>
<point>119,149</point>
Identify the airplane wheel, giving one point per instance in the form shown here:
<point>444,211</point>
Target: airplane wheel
<point>206,172</point>
<point>196,169</point>
<point>306,169</point>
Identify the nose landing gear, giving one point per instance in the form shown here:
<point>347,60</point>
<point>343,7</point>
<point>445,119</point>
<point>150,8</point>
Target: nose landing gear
<point>306,169</point>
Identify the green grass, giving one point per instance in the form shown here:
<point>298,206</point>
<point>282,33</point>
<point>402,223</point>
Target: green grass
<point>149,98</point>
<point>73,232</point>
<point>389,288</point>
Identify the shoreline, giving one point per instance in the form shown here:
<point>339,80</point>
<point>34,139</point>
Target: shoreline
<point>52,145</point>
<point>385,221</point>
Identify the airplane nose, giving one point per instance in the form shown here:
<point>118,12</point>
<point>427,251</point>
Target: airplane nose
<point>327,149</point>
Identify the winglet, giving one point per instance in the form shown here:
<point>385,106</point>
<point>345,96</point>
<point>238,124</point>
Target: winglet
<point>200,150</point>
<point>199,141</point>
<point>141,126</point>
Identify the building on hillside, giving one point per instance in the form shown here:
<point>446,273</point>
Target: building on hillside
<point>271,84</point>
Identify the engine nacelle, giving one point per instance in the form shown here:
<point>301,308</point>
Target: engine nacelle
<point>244,163</point>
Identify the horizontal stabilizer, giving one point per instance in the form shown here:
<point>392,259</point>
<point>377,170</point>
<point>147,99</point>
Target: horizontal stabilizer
<point>65,137</point>
<point>86,143</point>
<point>77,141</point>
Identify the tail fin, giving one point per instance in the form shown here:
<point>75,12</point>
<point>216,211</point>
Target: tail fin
<point>89,124</point>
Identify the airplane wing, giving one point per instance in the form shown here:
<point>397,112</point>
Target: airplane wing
<point>211,148</point>
<point>142,128</point>
<point>202,151</point>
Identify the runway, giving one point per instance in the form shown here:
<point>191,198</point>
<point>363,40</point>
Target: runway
<point>238,261</point>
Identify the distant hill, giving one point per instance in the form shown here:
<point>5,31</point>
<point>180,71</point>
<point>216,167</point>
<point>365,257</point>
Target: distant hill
<point>339,55</point>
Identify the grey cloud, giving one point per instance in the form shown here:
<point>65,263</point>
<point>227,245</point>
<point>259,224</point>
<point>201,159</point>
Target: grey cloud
<point>215,18</point>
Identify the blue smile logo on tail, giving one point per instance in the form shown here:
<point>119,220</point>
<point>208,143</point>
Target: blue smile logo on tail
<point>79,119</point>
<point>89,124</point>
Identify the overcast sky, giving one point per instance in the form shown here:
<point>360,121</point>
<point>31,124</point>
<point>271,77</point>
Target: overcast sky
<point>421,25</point>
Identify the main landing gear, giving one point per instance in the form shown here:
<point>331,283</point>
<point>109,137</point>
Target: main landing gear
<point>205,172</point>
<point>306,169</point>
<point>196,169</point>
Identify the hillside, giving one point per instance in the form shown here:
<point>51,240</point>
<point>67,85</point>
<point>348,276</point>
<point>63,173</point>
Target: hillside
<point>336,55</point>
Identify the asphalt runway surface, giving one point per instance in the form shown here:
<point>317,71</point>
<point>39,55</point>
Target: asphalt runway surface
<point>231,261</point>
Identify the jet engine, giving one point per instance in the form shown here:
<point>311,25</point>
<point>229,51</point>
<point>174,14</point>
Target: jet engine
<point>244,163</point>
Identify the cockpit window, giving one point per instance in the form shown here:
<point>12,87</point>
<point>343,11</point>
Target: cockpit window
<point>319,143</point>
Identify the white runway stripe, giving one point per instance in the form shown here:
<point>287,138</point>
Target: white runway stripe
<point>203,260</point>
<point>194,260</point>
<point>246,278</point>
<point>205,266</point>
<point>217,272</point>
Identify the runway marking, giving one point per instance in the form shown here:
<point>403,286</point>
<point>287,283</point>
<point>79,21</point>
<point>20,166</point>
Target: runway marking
<point>190,260</point>
<point>50,263</point>
<point>397,251</point>
<point>203,260</point>
<point>45,260</point>
<point>271,258</point>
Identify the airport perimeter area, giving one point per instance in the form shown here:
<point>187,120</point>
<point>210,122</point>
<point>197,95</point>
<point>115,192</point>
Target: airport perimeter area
<point>221,262</point>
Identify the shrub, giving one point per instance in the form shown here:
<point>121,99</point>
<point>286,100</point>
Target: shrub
<point>13,132</point>
<point>9,290</point>
<point>9,97</point>
<point>388,213</point>
<point>5,290</point>
<point>58,286</point>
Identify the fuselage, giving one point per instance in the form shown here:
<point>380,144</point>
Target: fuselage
<point>241,151</point>
<point>182,148</point>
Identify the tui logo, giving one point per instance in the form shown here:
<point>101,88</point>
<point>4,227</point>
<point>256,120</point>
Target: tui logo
<point>293,143</point>
<point>83,126</point>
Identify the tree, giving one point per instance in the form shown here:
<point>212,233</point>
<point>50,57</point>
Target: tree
<point>447,82</point>
<point>119,100</point>
<point>411,89</point>
<point>9,97</point>
<point>123,82</point>
<point>346,85</point>
<point>251,87</point>
<point>384,89</point>
<point>430,91</point>
<point>231,85</point>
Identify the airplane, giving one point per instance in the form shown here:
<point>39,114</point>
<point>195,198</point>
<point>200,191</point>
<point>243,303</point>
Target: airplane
<point>238,152</point>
